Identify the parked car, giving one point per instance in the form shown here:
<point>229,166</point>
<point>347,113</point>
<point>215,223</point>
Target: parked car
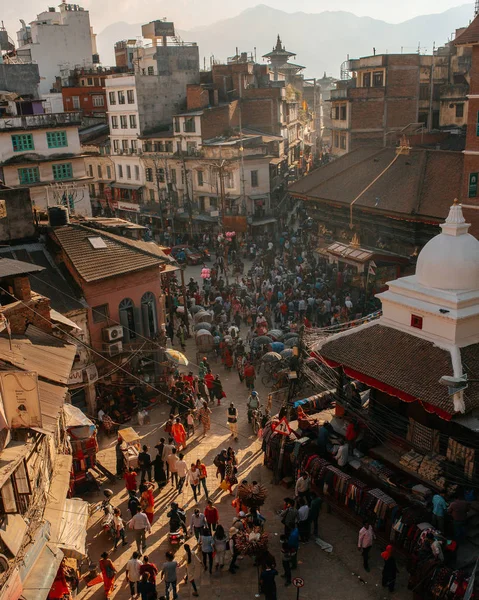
<point>192,255</point>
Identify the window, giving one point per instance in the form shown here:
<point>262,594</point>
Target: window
<point>123,121</point>
<point>91,187</point>
<point>459,111</point>
<point>121,97</point>
<point>191,148</point>
<point>202,204</point>
<point>127,319</point>
<point>149,174</point>
<point>336,113</point>
<point>378,79</point>
<point>152,195</point>
<point>116,145</point>
<point>62,171</point>
<point>133,145</point>
<point>76,101</point>
<point>114,122</point>
<point>130,94</point>
<point>183,176</point>
<point>177,125</point>
<point>98,101</point>
<point>148,314</point>
<point>169,147</point>
<point>342,115</point>
<point>120,171</point>
<point>336,140</point>
<point>97,81</point>
<point>57,139</point>
<point>366,79</point>
<point>108,172</point>
<point>424,91</point>
<point>160,174</point>
<point>137,172</point>
<point>473,185</point>
<point>23,142</point>
<point>112,98</point>
<point>230,183</point>
<point>100,313</point>
<point>173,175</point>
<point>128,172</point>
<point>132,121</point>
<point>254,179</point>
<point>342,141</point>
<point>416,321</point>
<point>29,175</point>
<point>90,80</point>
<point>99,170</point>
<point>189,125</point>
<point>90,170</point>
<point>200,179</point>
<point>124,145</point>
<point>151,71</point>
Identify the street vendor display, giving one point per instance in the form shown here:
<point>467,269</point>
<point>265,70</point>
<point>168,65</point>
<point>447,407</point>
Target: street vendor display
<point>130,446</point>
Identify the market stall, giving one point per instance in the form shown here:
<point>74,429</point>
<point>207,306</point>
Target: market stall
<point>130,446</point>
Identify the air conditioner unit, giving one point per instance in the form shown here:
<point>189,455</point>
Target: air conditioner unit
<point>114,349</point>
<point>111,334</point>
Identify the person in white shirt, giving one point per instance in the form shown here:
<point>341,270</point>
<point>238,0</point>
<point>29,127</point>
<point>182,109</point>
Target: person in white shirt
<point>140,526</point>
<point>342,455</point>
<point>133,573</point>
<point>172,461</point>
<point>303,484</point>
<point>119,528</point>
<point>182,470</point>
<point>194,480</point>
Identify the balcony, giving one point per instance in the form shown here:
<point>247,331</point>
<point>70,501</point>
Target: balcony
<point>341,94</point>
<point>43,121</point>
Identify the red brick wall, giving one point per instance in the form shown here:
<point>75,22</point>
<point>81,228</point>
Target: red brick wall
<point>471,165</point>
<point>367,114</point>
<point>357,139</point>
<point>196,97</point>
<point>22,289</point>
<point>34,312</point>
<point>86,99</point>
<point>218,120</point>
<point>401,111</point>
<point>262,114</point>
<point>402,81</point>
<point>471,161</point>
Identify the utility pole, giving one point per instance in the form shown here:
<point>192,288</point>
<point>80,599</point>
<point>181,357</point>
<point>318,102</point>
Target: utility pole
<point>242,178</point>
<point>431,89</point>
<point>156,164</point>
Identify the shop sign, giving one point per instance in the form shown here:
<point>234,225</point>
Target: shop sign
<point>282,427</point>
<point>91,373</point>
<point>76,376</point>
<point>473,185</point>
<point>20,399</point>
<point>128,206</point>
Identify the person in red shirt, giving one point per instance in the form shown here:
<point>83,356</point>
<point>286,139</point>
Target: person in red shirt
<point>189,379</point>
<point>130,480</point>
<point>150,568</point>
<point>209,378</point>
<point>212,515</point>
<point>249,375</point>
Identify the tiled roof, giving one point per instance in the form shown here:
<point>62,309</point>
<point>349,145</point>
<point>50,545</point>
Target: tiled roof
<point>470,35</point>
<point>404,362</point>
<point>120,256</point>
<point>422,184</point>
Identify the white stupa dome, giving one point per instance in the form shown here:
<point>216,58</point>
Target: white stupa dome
<point>450,261</point>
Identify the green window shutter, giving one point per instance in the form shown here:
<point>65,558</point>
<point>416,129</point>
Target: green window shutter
<point>29,175</point>
<point>57,139</point>
<point>62,171</point>
<point>23,142</point>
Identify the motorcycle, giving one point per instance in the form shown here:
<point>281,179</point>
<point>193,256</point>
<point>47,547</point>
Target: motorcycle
<point>177,525</point>
<point>257,417</point>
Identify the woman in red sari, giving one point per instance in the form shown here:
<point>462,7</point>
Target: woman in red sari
<point>179,434</point>
<point>147,501</point>
<point>108,571</point>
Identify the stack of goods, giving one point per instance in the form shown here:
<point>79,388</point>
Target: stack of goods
<point>421,492</point>
<point>461,455</point>
<point>432,468</point>
<point>412,460</point>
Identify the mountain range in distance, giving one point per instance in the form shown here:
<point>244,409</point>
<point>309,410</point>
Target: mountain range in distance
<point>321,41</point>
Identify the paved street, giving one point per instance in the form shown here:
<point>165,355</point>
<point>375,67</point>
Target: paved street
<point>331,576</point>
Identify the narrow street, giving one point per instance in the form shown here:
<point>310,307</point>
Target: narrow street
<point>334,576</point>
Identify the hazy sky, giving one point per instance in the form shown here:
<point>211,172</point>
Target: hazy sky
<point>190,13</point>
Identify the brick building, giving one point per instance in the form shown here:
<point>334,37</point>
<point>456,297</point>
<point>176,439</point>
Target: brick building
<point>387,95</point>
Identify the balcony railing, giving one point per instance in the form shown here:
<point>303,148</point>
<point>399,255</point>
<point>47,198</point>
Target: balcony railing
<point>40,121</point>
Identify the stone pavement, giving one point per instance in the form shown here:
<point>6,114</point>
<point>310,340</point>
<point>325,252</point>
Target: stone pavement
<point>332,576</point>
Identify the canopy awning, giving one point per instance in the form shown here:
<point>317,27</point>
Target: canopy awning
<point>42,575</point>
<point>125,186</point>
<point>265,221</point>
<point>72,530</point>
<point>59,318</point>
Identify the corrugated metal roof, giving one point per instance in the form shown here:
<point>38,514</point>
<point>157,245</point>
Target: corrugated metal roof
<point>59,318</point>
<point>10,267</point>
<point>52,398</point>
<point>10,458</point>
<point>94,264</point>
<point>51,361</point>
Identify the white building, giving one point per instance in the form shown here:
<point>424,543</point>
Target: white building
<point>42,152</point>
<point>56,40</point>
